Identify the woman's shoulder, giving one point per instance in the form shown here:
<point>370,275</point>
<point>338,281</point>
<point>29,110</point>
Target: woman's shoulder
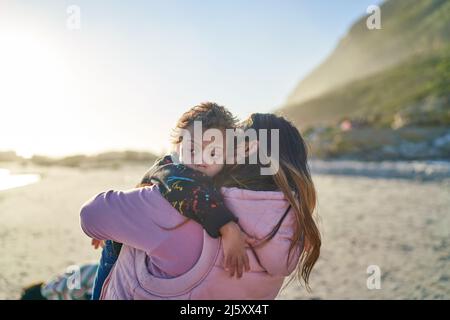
<point>268,204</point>
<point>245,194</point>
<point>260,211</point>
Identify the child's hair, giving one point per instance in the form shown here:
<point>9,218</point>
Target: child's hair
<point>210,114</point>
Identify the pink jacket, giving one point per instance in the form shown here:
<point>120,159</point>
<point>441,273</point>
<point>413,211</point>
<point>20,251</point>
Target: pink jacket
<point>185,263</point>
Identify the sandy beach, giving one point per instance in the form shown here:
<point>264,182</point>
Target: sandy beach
<point>400,225</point>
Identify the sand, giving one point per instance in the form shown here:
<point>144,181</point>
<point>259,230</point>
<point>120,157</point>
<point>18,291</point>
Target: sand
<point>400,225</point>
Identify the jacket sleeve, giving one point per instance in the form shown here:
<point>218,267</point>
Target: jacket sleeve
<point>129,217</point>
<point>194,196</point>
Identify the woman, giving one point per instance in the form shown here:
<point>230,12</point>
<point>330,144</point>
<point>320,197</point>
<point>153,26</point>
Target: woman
<point>161,261</point>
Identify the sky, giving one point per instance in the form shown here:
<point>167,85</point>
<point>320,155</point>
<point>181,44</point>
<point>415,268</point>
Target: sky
<point>122,77</point>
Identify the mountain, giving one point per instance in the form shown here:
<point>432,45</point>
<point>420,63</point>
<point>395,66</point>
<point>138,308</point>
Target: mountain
<point>382,94</point>
<point>414,92</point>
<point>409,28</point>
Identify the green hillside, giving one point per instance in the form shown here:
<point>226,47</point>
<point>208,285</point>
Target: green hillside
<point>417,91</point>
<point>409,28</point>
<point>382,94</point>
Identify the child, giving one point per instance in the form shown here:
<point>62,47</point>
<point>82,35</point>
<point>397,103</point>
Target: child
<point>190,189</point>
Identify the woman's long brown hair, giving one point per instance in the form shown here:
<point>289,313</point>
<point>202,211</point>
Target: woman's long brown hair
<point>303,201</point>
<point>293,178</point>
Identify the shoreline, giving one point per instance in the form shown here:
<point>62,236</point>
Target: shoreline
<point>421,170</point>
<point>388,169</point>
<point>10,180</point>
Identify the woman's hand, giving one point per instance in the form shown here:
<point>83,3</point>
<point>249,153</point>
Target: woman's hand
<point>234,243</point>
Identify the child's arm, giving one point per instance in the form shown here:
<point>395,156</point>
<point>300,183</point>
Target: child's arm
<point>234,243</point>
<point>194,196</point>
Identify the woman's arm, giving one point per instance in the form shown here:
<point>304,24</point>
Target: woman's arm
<point>136,217</point>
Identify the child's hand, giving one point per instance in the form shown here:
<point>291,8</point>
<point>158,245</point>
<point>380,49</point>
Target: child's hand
<point>234,243</point>
<point>97,243</point>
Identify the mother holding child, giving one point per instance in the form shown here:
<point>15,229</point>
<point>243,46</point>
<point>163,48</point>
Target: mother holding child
<point>190,226</point>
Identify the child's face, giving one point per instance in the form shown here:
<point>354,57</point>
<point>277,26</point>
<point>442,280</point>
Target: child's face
<point>213,156</point>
